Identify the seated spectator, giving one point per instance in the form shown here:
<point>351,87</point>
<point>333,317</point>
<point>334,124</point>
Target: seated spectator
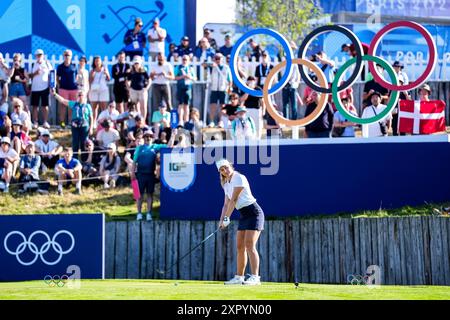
<point>9,160</point>
<point>160,118</point>
<point>90,159</point>
<point>110,166</point>
<point>128,117</point>
<point>229,111</point>
<point>5,121</point>
<point>346,128</point>
<point>48,149</point>
<point>109,113</point>
<point>68,168</point>
<point>29,171</point>
<point>140,125</point>
<point>108,135</point>
<point>21,114</point>
<point>243,126</point>
<point>195,126</point>
<point>18,138</point>
<point>131,147</point>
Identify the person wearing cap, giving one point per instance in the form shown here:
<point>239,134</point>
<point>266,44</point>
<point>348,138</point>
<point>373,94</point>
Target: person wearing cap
<point>110,114</point>
<point>90,159</point>
<point>99,93</point>
<point>110,166</point>
<point>21,114</point>
<point>184,75</point>
<point>69,168</point>
<point>207,33</point>
<point>120,72</point>
<point>107,135</point>
<point>184,49</point>
<point>138,83</point>
<point>135,40</point>
<point>67,86</point>
<point>48,149</point>
<point>256,50</point>
<point>321,127</point>
<point>381,127</point>
<point>19,139</point>
<point>156,37</point>
<point>373,86</point>
<point>82,77</point>
<point>229,111</point>
<point>29,171</point>
<point>227,47</point>
<point>172,52</point>
<point>139,126</point>
<point>398,68</point>
<point>82,122</point>
<point>162,73</point>
<point>221,84</point>
<point>160,119</point>
<point>341,126</point>
<point>238,195</point>
<point>9,159</point>
<point>40,88</point>
<point>19,81</point>
<point>143,169</point>
<point>424,92</point>
<point>255,106</point>
<point>243,127</point>
<point>127,118</point>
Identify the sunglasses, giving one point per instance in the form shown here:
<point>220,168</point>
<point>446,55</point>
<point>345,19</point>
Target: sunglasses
<point>16,106</point>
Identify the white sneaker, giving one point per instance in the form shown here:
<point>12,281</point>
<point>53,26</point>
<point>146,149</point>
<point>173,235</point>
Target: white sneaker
<point>139,217</point>
<point>220,125</point>
<point>211,125</point>
<point>44,168</point>
<point>106,186</point>
<point>236,280</point>
<point>253,281</point>
<point>149,217</point>
<point>40,191</point>
<point>46,125</point>
<point>112,184</point>
<point>35,125</point>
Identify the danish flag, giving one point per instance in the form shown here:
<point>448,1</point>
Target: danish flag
<point>421,117</point>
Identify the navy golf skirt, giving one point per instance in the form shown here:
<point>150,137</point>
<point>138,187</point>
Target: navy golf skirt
<point>252,218</point>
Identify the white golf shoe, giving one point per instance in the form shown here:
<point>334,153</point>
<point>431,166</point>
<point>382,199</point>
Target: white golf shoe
<point>253,281</point>
<point>236,280</point>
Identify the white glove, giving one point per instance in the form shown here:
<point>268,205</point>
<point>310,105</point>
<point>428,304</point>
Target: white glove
<point>226,221</point>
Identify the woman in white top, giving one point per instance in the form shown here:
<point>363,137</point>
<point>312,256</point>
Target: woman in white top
<point>251,222</point>
<point>83,76</point>
<point>99,93</point>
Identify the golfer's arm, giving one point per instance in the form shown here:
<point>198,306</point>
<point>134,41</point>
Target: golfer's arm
<point>229,207</point>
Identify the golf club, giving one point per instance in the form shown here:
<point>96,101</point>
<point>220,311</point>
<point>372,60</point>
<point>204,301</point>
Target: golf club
<point>178,260</point>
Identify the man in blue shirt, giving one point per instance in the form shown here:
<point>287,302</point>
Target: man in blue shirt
<point>227,47</point>
<point>66,74</point>
<point>68,168</point>
<point>144,166</point>
<point>184,48</point>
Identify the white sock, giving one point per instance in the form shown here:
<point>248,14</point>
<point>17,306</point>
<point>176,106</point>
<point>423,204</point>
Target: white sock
<point>78,185</point>
<point>59,186</point>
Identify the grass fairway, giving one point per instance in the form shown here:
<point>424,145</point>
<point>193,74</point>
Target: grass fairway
<point>198,290</point>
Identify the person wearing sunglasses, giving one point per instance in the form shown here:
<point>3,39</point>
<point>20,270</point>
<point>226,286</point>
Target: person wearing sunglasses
<point>221,85</point>
<point>135,40</point>
<point>66,74</point>
<point>40,88</point>
<point>20,114</point>
<point>185,75</point>
<point>19,81</point>
<point>161,75</point>
<point>156,37</point>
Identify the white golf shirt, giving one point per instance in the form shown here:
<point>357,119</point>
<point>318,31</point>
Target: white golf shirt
<point>167,68</point>
<point>245,197</point>
<point>373,129</point>
<point>157,46</point>
<point>40,81</point>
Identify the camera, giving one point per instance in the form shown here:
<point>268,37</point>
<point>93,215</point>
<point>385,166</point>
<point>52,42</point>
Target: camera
<point>383,128</point>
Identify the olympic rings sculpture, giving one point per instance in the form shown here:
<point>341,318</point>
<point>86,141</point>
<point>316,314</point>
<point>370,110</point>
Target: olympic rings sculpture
<point>334,89</point>
<point>38,252</point>
<point>56,281</point>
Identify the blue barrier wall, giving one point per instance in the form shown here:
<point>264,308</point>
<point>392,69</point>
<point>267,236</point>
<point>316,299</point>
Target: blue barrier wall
<point>29,249</point>
<point>328,178</point>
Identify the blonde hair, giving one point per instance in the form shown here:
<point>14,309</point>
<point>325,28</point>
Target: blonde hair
<point>223,179</point>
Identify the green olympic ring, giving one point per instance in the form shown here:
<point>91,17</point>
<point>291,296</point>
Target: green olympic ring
<point>393,99</point>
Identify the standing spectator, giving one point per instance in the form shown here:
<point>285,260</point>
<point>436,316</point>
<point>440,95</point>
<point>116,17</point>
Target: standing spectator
<point>327,65</point>
<point>195,126</point>
<point>109,167</point>
<point>256,50</point>
<point>379,128</point>
<point>138,84</point>
<point>341,126</point>
<point>20,114</point>
<point>172,53</point>
<point>67,85</point>
<point>398,68</point>
<point>99,94</point>
<point>9,160</point>
<point>110,114</point>
<point>29,171</point>
<point>5,121</point>
<point>255,106</point>
<point>289,95</point>
<point>144,165</point>
<point>242,74</point>
<point>161,75</point>
<point>204,51</point>
<point>83,76</point>
<point>82,123</point>
<point>19,81</point>
<point>349,48</point>
<point>321,127</point>
<point>160,119</point>
<point>68,168</point>
<point>48,149</point>
<point>372,86</point>
<point>207,34</point>
<point>108,135</point>
<point>273,128</point>
<point>4,95</point>
<point>229,111</point>
<point>4,70</point>
<point>184,49</point>
<point>19,139</point>
<point>134,40</point>
<point>120,72</point>
<point>243,126</point>
<point>263,69</point>
<point>221,84</point>
<point>424,92</point>
<point>184,74</point>
<point>40,88</point>
<point>156,38</point>
<point>227,47</point>
<point>404,95</point>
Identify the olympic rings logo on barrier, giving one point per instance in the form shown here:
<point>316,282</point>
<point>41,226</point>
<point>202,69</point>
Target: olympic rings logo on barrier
<point>357,280</point>
<point>38,252</point>
<point>323,87</point>
<point>56,281</point>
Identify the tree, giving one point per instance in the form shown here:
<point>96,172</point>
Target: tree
<point>292,18</point>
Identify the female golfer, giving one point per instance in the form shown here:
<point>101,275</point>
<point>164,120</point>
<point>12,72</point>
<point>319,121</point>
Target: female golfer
<point>251,222</point>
